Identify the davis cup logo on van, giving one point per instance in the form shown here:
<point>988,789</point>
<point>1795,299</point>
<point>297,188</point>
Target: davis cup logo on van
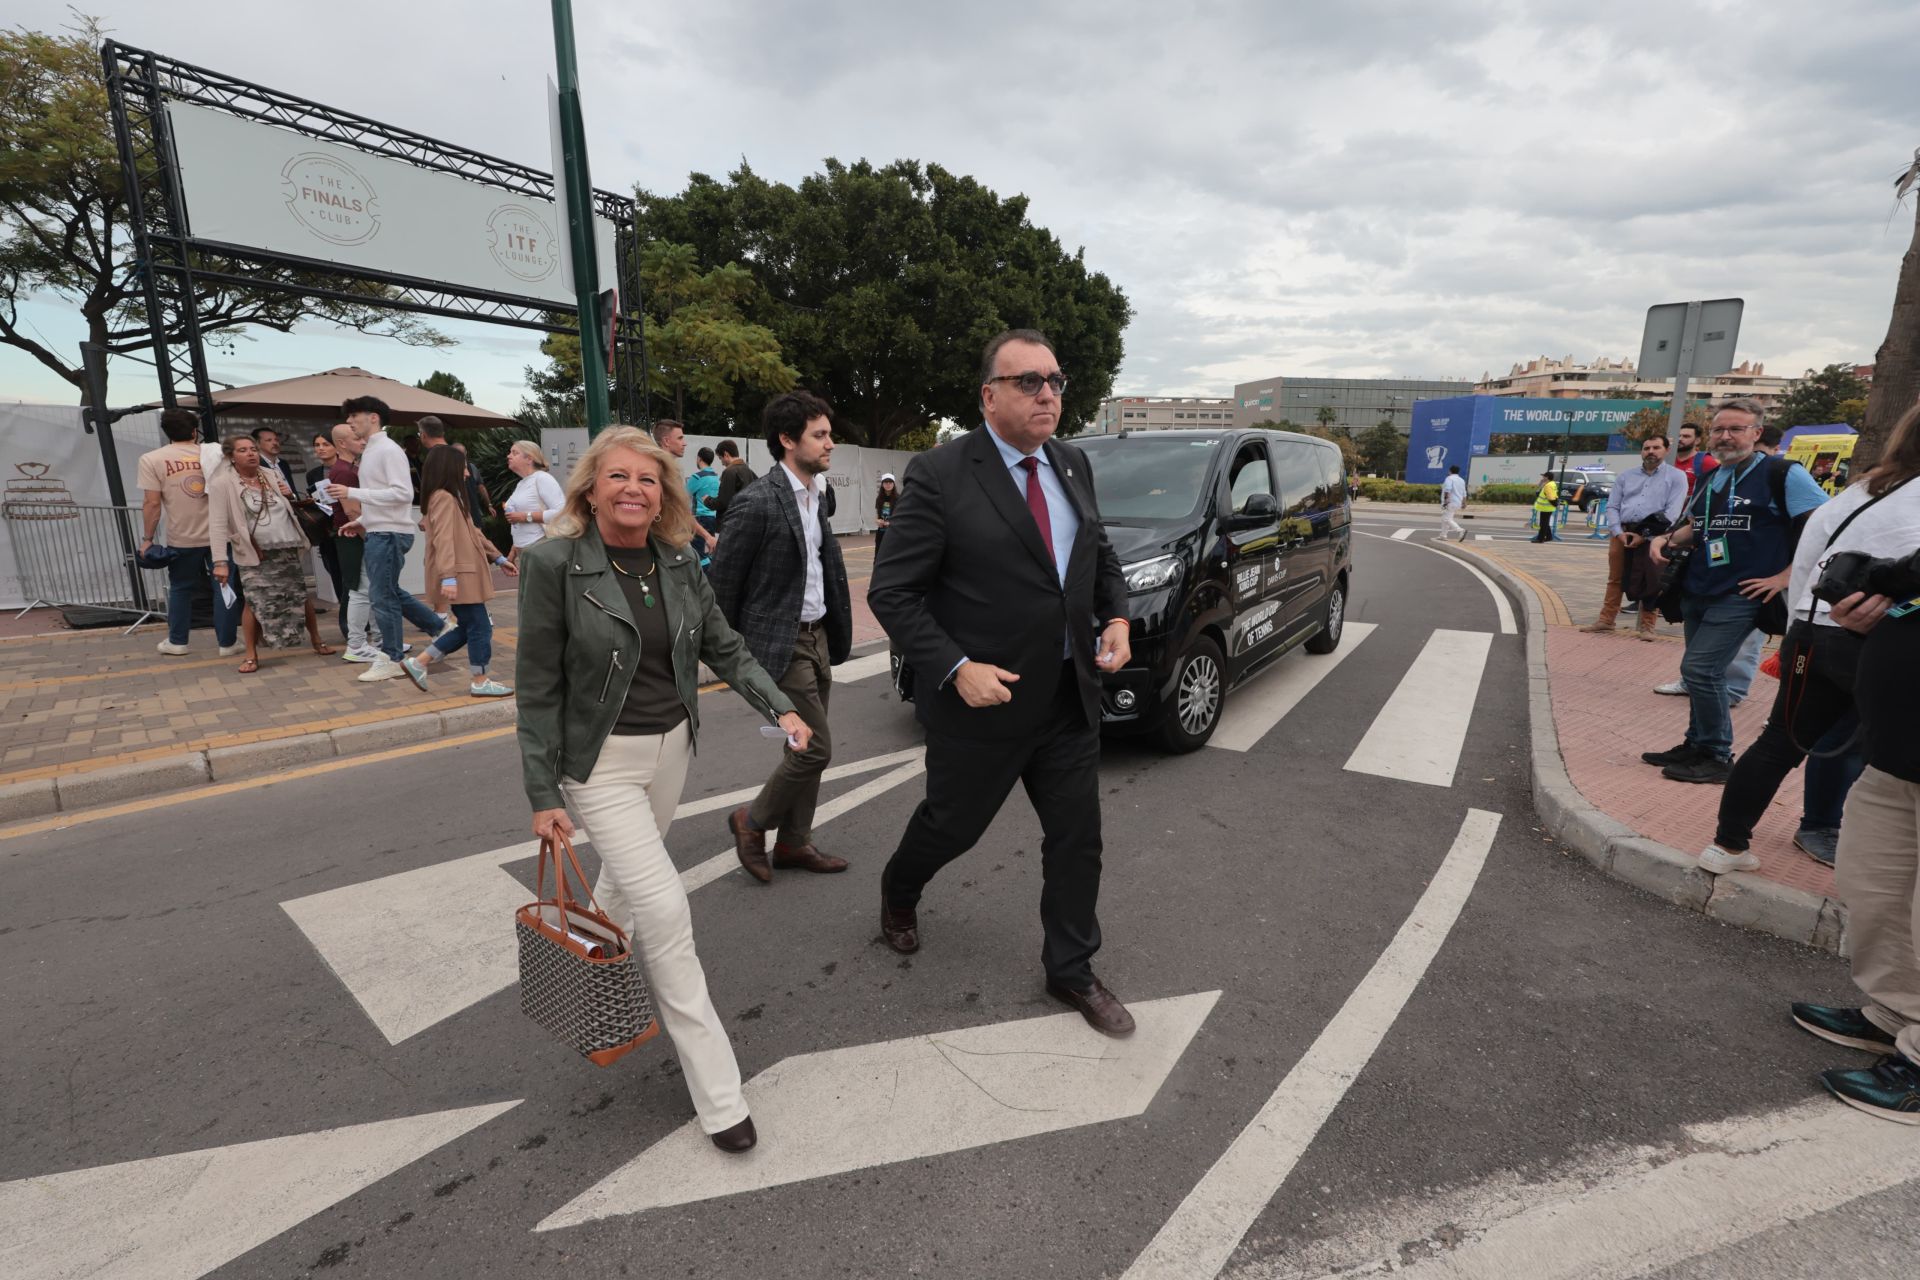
<point>521,240</point>
<point>330,198</point>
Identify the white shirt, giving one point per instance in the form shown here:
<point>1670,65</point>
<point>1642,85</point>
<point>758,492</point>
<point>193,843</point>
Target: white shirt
<point>537,491</point>
<point>1890,530</point>
<point>813,601</point>
<point>385,492</point>
<point>1453,492</point>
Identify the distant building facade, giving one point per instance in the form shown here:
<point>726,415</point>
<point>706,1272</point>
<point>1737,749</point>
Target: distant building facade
<point>1157,413</point>
<point>1603,379</point>
<point>1357,403</point>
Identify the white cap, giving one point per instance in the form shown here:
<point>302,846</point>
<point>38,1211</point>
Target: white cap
<point>888,475</point>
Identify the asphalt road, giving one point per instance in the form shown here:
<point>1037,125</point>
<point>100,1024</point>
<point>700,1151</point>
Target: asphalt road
<point>1550,1049</point>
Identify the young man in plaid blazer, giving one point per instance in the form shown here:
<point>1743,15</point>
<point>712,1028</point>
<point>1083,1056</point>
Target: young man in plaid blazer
<point>779,578</point>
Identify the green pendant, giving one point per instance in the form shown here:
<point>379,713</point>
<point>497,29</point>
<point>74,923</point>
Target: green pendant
<point>646,598</point>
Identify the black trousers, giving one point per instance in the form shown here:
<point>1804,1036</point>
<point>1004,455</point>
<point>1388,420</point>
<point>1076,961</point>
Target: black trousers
<point>968,779</point>
<point>1806,706</point>
<point>330,558</point>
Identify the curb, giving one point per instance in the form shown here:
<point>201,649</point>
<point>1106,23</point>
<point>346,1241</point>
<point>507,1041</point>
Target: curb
<point>1737,898</point>
<point>90,788</point>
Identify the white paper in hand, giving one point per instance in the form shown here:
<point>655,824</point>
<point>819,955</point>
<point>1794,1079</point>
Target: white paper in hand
<point>227,597</point>
<point>775,731</point>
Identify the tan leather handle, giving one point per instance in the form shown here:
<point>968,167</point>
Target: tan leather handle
<point>551,848</point>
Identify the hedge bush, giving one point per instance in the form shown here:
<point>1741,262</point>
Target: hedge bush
<point>1380,490</point>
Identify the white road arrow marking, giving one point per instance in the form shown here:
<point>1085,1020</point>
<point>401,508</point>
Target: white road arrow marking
<point>417,947</point>
<point>826,1113</point>
<point>1203,1232</point>
<point>1253,711</point>
<point>183,1215</point>
<point>1418,734</point>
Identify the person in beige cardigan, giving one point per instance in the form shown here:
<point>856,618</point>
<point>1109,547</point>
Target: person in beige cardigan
<point>250,509</point>
<point>459,579</point>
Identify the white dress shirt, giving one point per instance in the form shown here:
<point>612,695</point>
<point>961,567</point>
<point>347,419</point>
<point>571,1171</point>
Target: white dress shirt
<point>1453,492</point>
<point>813,601</point>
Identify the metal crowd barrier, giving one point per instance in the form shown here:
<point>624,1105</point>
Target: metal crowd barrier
<point>69,555</point>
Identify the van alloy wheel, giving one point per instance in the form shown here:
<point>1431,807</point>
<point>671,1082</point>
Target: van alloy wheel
<point>1199,697</point>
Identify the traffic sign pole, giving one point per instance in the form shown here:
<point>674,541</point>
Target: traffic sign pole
<point>578,202</point>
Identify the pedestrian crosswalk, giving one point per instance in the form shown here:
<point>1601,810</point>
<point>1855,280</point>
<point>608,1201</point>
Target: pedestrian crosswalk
<point>1418,734</point>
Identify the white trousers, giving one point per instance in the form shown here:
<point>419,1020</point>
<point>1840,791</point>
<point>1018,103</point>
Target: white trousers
<point>625,809</point>
<point>1448,524</point>
<point>359,614</point>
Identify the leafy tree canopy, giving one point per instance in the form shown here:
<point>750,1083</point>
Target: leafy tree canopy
<point>1817,397</point>
<point>445,384</point>
<point>881,285</point>
<point>63,218</point>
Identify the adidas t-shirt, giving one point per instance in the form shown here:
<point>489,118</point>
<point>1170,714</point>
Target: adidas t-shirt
<point>173,471</point>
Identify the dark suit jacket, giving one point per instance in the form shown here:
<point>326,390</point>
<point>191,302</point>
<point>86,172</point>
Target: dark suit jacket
<point>965,575</point>
<point>759,574</point>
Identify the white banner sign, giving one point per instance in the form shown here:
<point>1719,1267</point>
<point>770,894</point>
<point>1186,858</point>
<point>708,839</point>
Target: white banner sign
<point>252,185</point>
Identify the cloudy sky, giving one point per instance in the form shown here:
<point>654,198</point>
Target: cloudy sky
<point>1436,188</point>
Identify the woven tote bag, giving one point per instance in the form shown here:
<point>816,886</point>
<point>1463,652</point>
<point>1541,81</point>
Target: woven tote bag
<point>578,976</point>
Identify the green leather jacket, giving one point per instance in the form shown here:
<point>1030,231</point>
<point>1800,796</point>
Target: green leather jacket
<point>579,646</point>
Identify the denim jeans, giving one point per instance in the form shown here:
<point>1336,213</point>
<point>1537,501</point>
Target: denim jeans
<point>1715,627</point>
<point>1830,777</point>
<point>385,553</point>
<point>474,629</point>
<point>1745,666</point>
<point>188,574</point>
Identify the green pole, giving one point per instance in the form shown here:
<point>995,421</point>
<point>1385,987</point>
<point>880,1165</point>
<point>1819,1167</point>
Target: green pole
<point>579,189</point>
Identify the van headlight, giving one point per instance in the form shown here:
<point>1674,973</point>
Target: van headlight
<point>1151,575</point>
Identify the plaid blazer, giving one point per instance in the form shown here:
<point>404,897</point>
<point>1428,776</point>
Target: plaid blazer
<point>759,573</point>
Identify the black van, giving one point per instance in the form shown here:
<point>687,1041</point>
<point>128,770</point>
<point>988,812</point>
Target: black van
<point>1237,546</point>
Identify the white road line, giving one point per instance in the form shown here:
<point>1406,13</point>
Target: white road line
<point>1418,734</point>
<point>865,1105</point>
<point>1204,1231</point>
<point>1401,535</point>
<point>1253,710</point>
<point>733,799</point>
<point>1483,537</point>
<point>727,860</point>
<point>1630,1213</point>
<point>1500,603</point>
<point>184,1215</point>
<point>873,664</point>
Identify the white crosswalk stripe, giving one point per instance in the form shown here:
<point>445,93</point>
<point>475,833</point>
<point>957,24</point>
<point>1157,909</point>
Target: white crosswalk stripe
<point>1419,733</point>
<point>1401,535</point>
<point>1252,711</point>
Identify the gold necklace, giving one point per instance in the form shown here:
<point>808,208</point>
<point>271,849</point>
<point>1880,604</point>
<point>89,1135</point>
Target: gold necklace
<point>646,592</point>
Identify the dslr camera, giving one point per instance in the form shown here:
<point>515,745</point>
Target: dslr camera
<point>1852,571</point>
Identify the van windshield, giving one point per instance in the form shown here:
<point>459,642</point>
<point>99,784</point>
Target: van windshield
<point>1148,481</point>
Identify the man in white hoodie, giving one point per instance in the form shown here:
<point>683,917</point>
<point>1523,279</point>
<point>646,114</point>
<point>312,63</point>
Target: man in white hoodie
<point>385,495</point>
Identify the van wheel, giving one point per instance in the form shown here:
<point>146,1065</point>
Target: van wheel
<point>1199,689</point>
<point>1327,639</point>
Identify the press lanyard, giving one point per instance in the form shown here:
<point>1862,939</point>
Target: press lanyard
<point>1706,522</point>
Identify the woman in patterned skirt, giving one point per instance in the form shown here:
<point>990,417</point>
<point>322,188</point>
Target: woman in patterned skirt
<point>251,508</point>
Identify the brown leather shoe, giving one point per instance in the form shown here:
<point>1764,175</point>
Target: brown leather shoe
<point>751,845</point>
<point>898,925</point>
<point>740,1137</point>
<point>1099,1006</point>
<point>1599,628</point>
<point>806,858</point>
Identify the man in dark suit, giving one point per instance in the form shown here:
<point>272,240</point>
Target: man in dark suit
<point>781,582</point>
<point>997,580</point>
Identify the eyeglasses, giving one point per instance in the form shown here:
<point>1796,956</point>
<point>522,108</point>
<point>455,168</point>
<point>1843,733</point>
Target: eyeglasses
<point>1030,383</point>
<point>1731,431</point>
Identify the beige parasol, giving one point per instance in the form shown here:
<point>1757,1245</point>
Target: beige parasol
<point>320,395</point>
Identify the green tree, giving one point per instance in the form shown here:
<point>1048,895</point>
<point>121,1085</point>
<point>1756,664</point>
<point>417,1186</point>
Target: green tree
<point>882,284</point>
<point>445,384</point>
<point>1816,398</point>
<point>1854,412</point>
<point>1382,448</point>
<point>1325,415</point>
<point>699,343</point>
<point>64,222</point>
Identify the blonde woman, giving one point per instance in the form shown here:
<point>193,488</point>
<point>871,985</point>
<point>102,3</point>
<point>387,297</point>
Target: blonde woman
<point>250,507</point>
<point>535,500</point>
<point>620,616</point>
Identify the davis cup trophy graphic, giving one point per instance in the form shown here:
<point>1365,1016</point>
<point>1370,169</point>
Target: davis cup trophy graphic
<point>1436,456</point>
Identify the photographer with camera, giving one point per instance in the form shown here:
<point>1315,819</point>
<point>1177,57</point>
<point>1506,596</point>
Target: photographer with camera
<point>1818,657</point>
<point>1874,591</point>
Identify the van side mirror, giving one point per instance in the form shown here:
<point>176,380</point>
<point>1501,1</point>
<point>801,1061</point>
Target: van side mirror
<point>1260,508</point>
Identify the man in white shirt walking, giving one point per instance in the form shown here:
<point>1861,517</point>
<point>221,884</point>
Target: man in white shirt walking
<point>1453,496</point>
<point>385,495</point>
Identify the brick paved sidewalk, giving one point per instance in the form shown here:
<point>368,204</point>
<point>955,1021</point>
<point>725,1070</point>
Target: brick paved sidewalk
<point>1606,714</point>
<point>72,701</point>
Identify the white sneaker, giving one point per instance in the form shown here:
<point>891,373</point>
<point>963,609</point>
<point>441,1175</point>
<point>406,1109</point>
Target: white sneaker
<point>1717,861</point>
<point>171,649</point>
<point>384,668</point>
<point>229,650</point>
<point>1672,688</point>
<point>360,653</point>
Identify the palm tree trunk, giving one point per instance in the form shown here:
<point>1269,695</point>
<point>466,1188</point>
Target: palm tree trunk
<point>1896,366</point>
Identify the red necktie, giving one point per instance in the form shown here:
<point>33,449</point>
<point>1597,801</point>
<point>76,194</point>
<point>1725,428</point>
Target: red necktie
<point>1037,503</point>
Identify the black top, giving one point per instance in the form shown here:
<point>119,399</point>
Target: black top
<point>733,478</point>
<point>653,700</point>
<point>1887,691</point>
